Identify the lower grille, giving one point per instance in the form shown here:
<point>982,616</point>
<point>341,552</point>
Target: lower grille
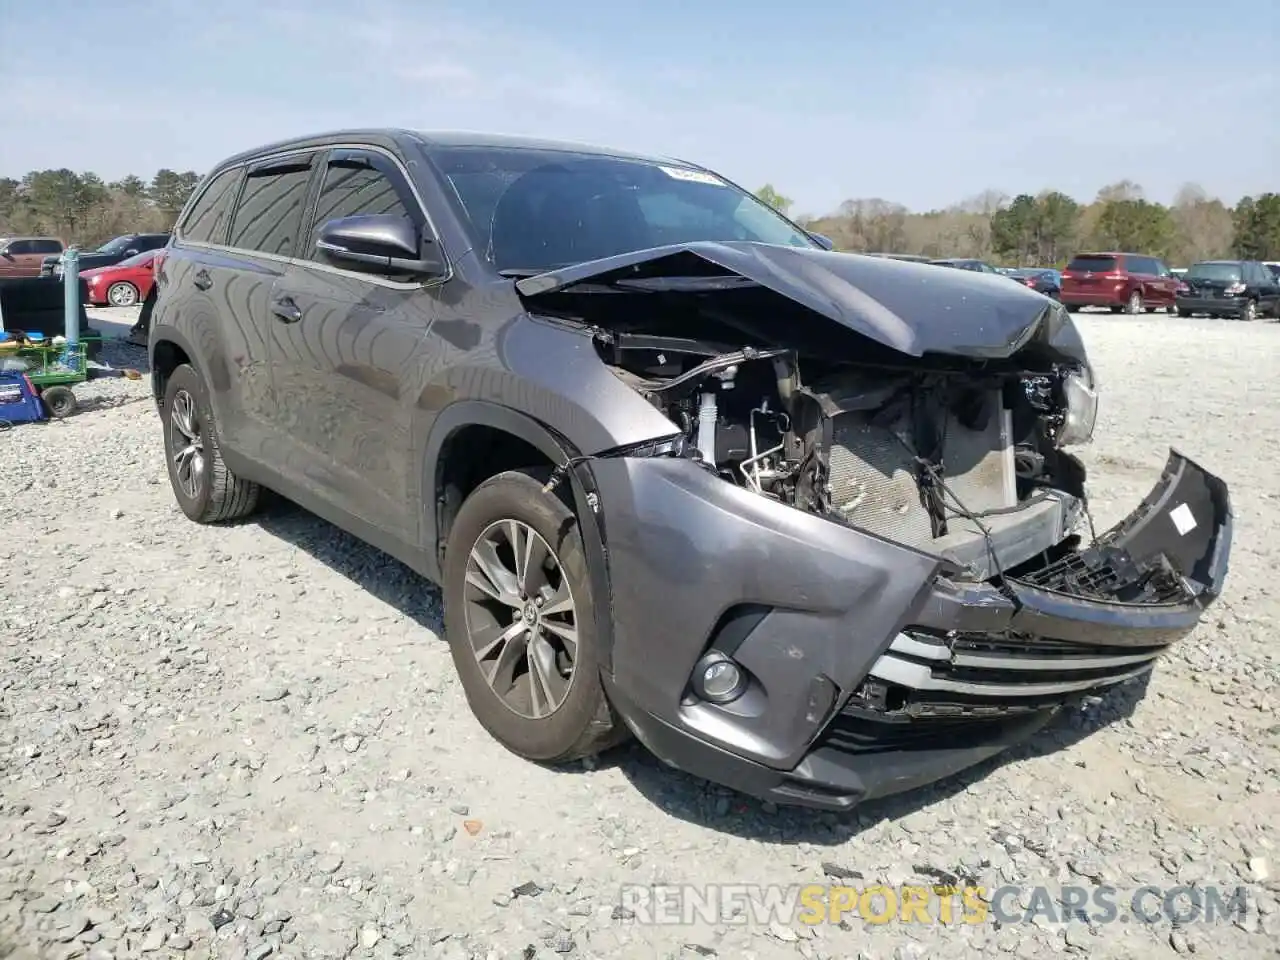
<point>932,692</point>
<point>978,669</point>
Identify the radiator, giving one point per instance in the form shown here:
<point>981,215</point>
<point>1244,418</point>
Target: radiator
<point>873,479</point>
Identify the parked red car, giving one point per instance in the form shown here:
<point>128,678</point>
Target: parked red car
<point>1129,282</point>
<point>124,284</point>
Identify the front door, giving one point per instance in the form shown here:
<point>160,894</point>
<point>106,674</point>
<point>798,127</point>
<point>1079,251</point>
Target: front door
<point>20,259</point>
<point>345,347</point>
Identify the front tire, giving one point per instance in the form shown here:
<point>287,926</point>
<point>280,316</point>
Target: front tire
<point>520,618</point>
<point>1133,305</point>
<point>206,490</point>
<point>1249,312</point>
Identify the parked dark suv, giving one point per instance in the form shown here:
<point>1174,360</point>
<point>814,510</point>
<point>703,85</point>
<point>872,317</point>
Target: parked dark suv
<point>1246,289</point>
<point>806,523</point>
<point>1124,282</point>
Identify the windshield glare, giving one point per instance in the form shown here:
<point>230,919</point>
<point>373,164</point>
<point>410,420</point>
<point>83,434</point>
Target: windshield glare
<point>1215,271</point>
<point>535,210</point>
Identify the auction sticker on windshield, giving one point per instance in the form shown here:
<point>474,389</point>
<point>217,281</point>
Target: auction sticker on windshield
<point>692,176</point>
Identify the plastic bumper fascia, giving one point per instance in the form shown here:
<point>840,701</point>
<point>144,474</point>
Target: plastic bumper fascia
<point>685,546</point>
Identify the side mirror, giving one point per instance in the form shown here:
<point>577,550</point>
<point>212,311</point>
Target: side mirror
<point>825,242</point>
<point>380,243</point>
<point>132,252</point>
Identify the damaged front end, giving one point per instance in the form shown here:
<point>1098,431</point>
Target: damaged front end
<point>922,420</point>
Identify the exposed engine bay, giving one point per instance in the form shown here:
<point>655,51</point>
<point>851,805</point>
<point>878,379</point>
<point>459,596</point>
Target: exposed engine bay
<point>936,459</point>
<point>928,409</point>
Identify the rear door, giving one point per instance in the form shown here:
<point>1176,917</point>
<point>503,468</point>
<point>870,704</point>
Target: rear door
<point>343,345</point>
<point>1084,274</point>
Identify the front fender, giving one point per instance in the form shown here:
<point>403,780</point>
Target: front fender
<point>558,450</point>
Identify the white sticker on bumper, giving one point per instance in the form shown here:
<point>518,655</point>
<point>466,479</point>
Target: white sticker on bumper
<point>1183,519</point>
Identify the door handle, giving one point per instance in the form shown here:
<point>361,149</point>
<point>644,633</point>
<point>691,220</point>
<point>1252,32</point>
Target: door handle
<point>202,280</point>
<point>285,310</point>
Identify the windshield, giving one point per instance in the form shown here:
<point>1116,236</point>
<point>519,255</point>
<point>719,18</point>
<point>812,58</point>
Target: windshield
<point>1215,271</point>
<point>118,245</point>
<point>534,210</point>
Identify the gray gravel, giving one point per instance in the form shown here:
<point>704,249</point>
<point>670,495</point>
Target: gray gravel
<point>249,742</point>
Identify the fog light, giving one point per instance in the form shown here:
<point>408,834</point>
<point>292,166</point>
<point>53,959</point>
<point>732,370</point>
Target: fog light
<point>719,679</point>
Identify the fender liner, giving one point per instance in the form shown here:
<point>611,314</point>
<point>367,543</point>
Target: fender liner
<point>558,449</point>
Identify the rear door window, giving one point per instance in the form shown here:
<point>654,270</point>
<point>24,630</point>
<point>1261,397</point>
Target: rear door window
<point>1092,264</point>
<point>46,246</point>
<point>208,218</point>
<point>269,213</point>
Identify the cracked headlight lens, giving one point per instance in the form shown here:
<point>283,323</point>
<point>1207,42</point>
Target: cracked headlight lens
<point>1082,408</point>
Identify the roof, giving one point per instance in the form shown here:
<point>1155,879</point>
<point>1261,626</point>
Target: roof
<point>438,138</point>
<point>1110,253</point>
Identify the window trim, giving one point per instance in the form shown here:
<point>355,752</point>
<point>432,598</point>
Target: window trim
<point>324,151</point>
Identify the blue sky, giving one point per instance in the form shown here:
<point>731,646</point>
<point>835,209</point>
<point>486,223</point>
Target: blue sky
<point>921,103</point>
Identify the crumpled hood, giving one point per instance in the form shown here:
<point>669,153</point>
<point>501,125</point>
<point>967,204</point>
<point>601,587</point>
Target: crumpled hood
<point>913,308</point>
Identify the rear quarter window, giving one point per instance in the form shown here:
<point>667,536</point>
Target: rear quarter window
<point>1092,264</point>
<point>207,220</point>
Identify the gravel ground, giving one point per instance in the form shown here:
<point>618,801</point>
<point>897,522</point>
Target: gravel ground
<point>248,741</point>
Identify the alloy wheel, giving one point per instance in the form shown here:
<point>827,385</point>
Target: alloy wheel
<point>122,295</point>
<point>186,441</point>
<point>1250,311</point>
<point>521,619</point>
<point>1135,302</point>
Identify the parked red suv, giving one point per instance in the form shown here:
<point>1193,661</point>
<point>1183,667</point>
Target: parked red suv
<point>1122,281</point>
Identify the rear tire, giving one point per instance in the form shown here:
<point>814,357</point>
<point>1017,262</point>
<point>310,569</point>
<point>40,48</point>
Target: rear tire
<point>206,490</point>
<point>1116,309</point>
<point>1183,313</point>
<point>519,708</point>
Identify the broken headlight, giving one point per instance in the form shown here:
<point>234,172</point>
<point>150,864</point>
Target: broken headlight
<point>1078,420</point>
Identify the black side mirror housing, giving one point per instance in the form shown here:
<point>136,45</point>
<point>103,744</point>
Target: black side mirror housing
<point>381,244</point>
<point>825,242</point>
<point>131,252</point>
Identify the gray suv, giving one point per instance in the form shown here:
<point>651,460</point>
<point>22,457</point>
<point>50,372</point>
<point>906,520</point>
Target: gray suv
<point>805,523</point>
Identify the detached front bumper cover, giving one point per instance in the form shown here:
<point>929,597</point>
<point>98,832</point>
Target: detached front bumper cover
<point>977,667</point>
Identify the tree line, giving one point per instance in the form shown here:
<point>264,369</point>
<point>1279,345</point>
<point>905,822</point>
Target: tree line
<point>82,208</point>
<point>1044,229</point>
